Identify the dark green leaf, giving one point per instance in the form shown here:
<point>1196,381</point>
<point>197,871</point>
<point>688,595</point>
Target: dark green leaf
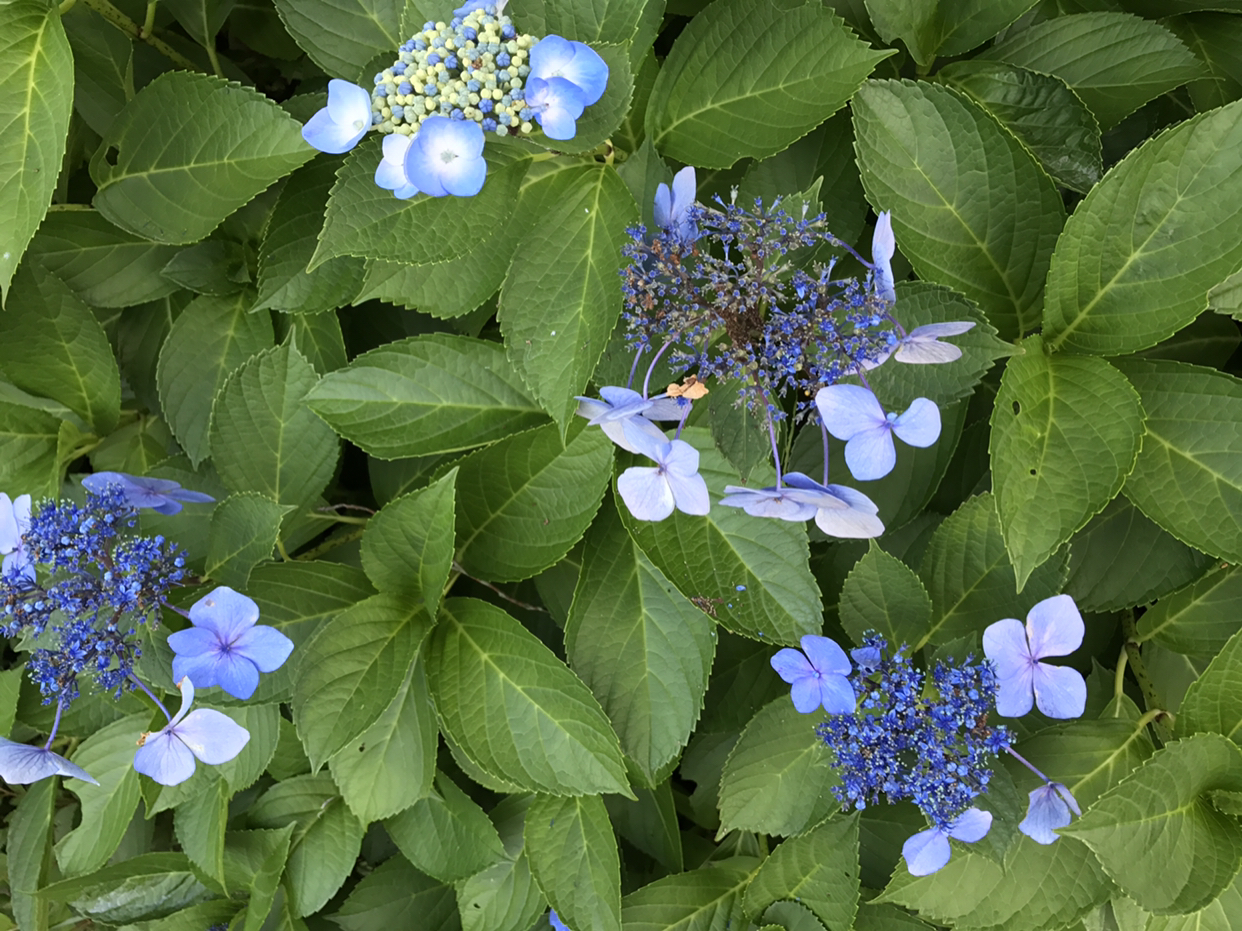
<point>819,869</point>
<point>396,895</point>
<point>446,835</point>
<point>1199,618</point>
<point>573,856</point>
<point>150,885</point>
<point>103,67</point>
<point>244,530</point>
<point>947,27</point>
<point>709,898</point>
<point>344,36</point>
<point>408,546</point>
<point>1213,703</point>
<point>882,594</point>
<point>29,852</point>
<point>28,450</point>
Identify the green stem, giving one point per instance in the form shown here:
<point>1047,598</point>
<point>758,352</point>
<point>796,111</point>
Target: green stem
<point>330,544</point>
<point>66,6</point>
<point>280,548</point>
<point>1137,666</point>
<point>213,58</point>
<point>122,22</point>
<point>1119,680</point>
<point>148,24</point>
<point>340,518</point>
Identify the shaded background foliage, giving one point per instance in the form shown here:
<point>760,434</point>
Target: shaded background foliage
<point>507,694</point>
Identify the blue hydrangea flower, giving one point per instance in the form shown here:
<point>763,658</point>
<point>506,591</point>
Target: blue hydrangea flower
<point>556,104</point>
<point>672,207</point>
<point>555,921</point>
<point>620,413</point>
<point>922,346</point>
<point>840,511</point>
<point>496,6</point>
<point>883,245</point>
<point>14,525</point>
<point>852,413</point>
<point>340,125</point>
<point>162,495</point>
<point>1049,809</point>
<point>928,851</point>
<point>673,484</point>
<point>819,677</point>
<point>225,647</point>
<point>167,756</point>
<point>1053,628</point>
<point>779,502</point>
<point>21,764</point>
<point>390,173</point>
<point>446,157</point>
<point>576,62</point>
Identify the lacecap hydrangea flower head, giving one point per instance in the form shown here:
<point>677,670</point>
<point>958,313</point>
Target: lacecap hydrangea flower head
<point>900,731</point>
<point>452,84</point>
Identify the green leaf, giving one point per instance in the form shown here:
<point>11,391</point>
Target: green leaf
<point>1216,39</point>
<point>344,36</point>
<point>446,835</point>
<point>326,837</point>
<point>408,546</point>
<point>391,764</point>
<point>650,824</point>
<point>747,79</point>
<point>639,645</point>
<point>708,898</point>
<point>1213,703</point>
<point>1199,618</point>
<point>36,87</point>
<point>202,19</point>
<point>254,862</point>
<point>103,265</point>
<point>739,434</point>
<point>365,220</point>
<point>28,848</point>
<point>1066,431</point>
<point>318,337</point>
<point>971,208</point>
<point>54,347</point>
<point>263,436</point>
<point>819,869</point>
<point>753,576</point>
<point>484,668</point>
<point>146,886</point>
<point>28,450</point>
<point>352,669</point>
<point>882,594</point>
<point>505,896</point>
<point>1089,757</point>
<point>778,776</point>
<point>199,824</point>
<point>1140,254</point>
<point>1158,837</point>
<point>212,336</point>
<point>943,28</point>
<point>573,856</point>
<point>1046,116</point>
<point>524,502</point>
<point>396,895</point>
<point>1188,477</point>
<point>244,531</point>
<point>969,576</point>
<point>1122,559</point>
<point>592,21</point>
<point>1115,62</point>
<point>103,67</point>
<point>920,303</point>
<point>214,266</point>
<point>562,296</point>
<point>107,808</point>
<point>187,151</point>
<point>426,395</point>
<point>290,242</point>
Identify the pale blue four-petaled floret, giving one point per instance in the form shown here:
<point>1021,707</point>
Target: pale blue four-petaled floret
<point>672,206</point>
<point>674,483</point>
<point>838,510</point>
<point>162,495</point>
<point>555,103</point>
<point>852,413</point>
<point>21,764</point>
<point>1049,809</point>
<point>390,174</point>
<point>1053,628</point>
<point>168,755</point>
<point>446,157</point>
<point>818,678</point>
<point>340,125</point>
<point>928,851</point>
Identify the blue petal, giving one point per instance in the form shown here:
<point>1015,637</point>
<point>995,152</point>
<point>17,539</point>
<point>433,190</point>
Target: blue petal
<point>165,759</point>
<point>1060,692</point>
<point>212,736</point>
<point>326,135</point>
<point>236,675</point>
<point>971,825</point>
<point>870,454</point>
<point>264,646</point>
<point>21,764</point>
<point>646,493</point>
<point>836,694</point>
<point>1046,812</point>
<point>926,852</point>
<point>920,424</point>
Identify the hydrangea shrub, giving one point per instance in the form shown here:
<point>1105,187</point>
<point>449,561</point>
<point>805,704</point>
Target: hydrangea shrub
<point>620,465</point>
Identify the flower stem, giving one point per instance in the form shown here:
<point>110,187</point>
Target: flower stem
<point>60,707</point>
<point>148,24</point>
<point>824,430</point>
<point>113,15</point>
<point>651,368</point>
<point>151,695</point>
<point>1137,666</point>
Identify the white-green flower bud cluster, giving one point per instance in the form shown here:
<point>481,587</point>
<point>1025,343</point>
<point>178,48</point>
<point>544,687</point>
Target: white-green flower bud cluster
<point>472,68</point>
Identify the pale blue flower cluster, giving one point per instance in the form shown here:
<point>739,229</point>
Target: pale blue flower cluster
<point>892,737</point>
<point>97,585</point>
<point>452,83</point>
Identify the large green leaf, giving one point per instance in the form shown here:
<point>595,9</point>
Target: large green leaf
<point>36,100</point>
<point>1115,62</point>
<point>942,27</point>
<point>344,36</point>
<point>263,436</point>
<point>562,296</point>
<point>1157,836</point>
<point>53,346</point>
<point>1213,703</point>
<point>254,862</point>
<point>28,848</point>
<point>28,461</point>
<point>1140,254</point>
<point>425,395</point>
<point>708,898</point>
<point>187,151</point>
<point>213,336</point>
<point>352,670</point>
<point>1041,111</point>
<point>971,208</point>
<point>970,578</point>
<point>573,856</point>
<point>102,264</point>
<point>396,895</point>
<point>103,67</point>
<point>524,502</point>
<point>1216,38</point>
<point>145,886</point>
<point>640,646</point>
<point>1199,618</point>
<point>752,575</point>
<point>244,531</point>
<point>515,709</point>
<point>1066,431</point>
<point>883,594</point>
<point>818,869</point>
<point>778,777</point>
<point>747,78</point>
<point>1188,477</point>
<point>446,835</point>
